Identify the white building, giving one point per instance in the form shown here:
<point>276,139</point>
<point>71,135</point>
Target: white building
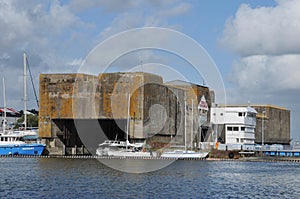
<point>238,124</point>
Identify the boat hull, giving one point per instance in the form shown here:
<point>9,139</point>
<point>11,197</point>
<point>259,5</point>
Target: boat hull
<point>22,149</point>
<point>184,154</point>
<point>131,154</point>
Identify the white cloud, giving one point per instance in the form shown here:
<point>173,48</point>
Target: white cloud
<point>180,9</point>
<point>40,29</point>
<point>267,73</point>
<point>115,6</point>
<point>75,62</point>
<point>264,30</point>
<point>109,6</point>
<point>122,22</point>
<point>267,40</point>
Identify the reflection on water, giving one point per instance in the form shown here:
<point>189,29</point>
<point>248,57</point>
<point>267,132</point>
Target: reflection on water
<point>87,178</point>
<point>136,165</point>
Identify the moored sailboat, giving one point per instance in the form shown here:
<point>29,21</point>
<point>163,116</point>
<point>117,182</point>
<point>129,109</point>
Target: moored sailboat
<point>14,142</point>
<point>115,148</point>
<point>186,154</point>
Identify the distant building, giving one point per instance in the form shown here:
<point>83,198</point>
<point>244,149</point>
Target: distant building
<point>276,124</point>
<point>234,125</point>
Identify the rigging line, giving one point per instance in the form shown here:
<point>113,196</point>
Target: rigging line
<point>28,66</point>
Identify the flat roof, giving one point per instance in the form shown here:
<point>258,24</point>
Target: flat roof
<point>253,106</point>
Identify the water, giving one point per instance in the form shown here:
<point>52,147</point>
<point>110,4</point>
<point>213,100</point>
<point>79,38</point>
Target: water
<point>87,178</point>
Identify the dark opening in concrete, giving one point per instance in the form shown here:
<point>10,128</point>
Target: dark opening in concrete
<point>89,132</point>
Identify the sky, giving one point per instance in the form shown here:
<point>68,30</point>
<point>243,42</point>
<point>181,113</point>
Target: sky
<point>254,43</point>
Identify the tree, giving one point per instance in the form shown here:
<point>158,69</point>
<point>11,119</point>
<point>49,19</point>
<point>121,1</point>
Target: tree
<point>32,120</point>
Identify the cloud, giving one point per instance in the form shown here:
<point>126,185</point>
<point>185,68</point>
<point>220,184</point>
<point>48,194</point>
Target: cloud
<point>122,22</point>
<point>37,29</point>
<point>266,38</point>
<point>267,73</point>
<point>157,14</point>
<point>180,9</point>
<point>114,6</point>
<point>75,62</point>
<point>40,28</point>
<point>109,6</point>
<point>160,16</point>
<point>264,30</point>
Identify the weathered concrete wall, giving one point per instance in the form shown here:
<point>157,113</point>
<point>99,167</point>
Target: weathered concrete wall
<point>56,98</point>
<point>155,109</point>
<point>190,125</point>
<point>69,96</point>
<point>276,124</point>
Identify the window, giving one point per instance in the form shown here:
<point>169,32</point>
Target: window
<point>242,128</point>
<point>221,114</point>
<point>242,114</point>
<point>251,115</point>
<point>242,140</point>
<point>235,128</point>
<point>229,128</point>
<point>237,140</point>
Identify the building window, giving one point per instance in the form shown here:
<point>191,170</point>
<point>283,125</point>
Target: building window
<point>235,128</point>
<point>242,114</point>
<point>251,115</point>
<point>237,140</point>
<point>242,140</point>
<point>214,114</point>
<point>229,128</point>
<point>242,128</point>
<point>221,114</point>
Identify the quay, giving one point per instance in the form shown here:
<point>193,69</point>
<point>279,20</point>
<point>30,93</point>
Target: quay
<point>242,159</point>
<point>99,157</point>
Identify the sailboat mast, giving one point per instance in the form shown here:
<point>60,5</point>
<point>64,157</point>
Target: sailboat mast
<point>192,126</point>
<point>128,121</point>
<point>4,103</point>
<point>185,124</point>
<point>25,92</point>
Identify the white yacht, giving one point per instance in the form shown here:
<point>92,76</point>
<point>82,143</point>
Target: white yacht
<point>114,148</point>
<point>184,154</point>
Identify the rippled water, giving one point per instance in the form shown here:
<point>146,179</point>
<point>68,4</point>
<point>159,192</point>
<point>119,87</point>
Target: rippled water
<point>87,178</point>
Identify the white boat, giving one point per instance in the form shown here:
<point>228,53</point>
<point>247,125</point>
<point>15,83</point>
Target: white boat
<point>182,154</point>
<point>115,148</point>
<point>123,149</point>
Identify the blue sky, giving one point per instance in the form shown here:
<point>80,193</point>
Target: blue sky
<point>254,43</point>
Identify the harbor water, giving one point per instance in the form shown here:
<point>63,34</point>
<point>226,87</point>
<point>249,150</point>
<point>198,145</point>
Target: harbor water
<point>88,178</point>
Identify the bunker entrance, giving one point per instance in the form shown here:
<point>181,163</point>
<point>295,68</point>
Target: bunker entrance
<point>88,133</point>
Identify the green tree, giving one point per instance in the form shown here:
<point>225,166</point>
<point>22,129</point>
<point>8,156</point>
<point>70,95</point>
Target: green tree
<point>32,120</point>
